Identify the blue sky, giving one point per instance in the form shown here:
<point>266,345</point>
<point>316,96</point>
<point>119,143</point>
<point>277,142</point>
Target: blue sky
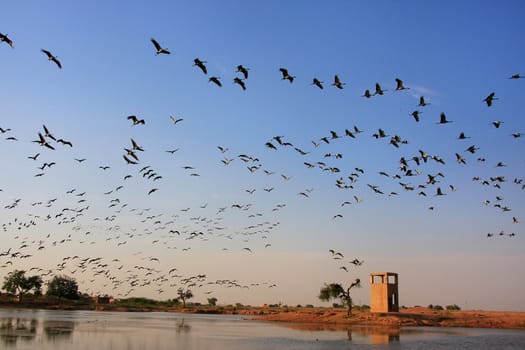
<point>454,54</point>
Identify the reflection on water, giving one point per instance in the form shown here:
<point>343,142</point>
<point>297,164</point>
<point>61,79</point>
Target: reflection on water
<point>21,329</point>
<point>376,335</point>
<point>57,330</point>
<point>182,326</point>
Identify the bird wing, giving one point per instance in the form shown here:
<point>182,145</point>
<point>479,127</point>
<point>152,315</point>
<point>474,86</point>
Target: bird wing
<point>57,62</point>
<point>156,44</point>
<point>49,55</point>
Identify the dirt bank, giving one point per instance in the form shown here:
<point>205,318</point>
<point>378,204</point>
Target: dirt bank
<point>417,316</point>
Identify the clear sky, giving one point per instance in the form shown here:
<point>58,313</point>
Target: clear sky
<point>256,236</point>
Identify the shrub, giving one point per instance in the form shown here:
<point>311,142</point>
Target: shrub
<point>453,307</point>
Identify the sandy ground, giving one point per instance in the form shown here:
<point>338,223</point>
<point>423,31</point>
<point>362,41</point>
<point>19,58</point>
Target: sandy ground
<point>325,318</point>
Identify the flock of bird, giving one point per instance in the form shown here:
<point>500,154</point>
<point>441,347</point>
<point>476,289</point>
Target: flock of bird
<point>116,224</point>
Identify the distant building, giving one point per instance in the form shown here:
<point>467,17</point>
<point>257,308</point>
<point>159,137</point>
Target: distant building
<point>384,292</point>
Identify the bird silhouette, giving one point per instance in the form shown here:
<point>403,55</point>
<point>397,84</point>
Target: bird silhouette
<point>222,149</point>
<point>462,136</point>
<point>415,114</point>
<point>197,62</point>
<point>337,82</point>
<point>175,120</point>
<point>317,83</point>
<point>215,80</point>
<point>422,102</point>
<point>47,133</point>
<point>136,146</point>
<point>443,119</point>
<point>497,123</point>
<point>439,192</point>
<point>516,76</point>
<point>243,70</point>
<point>129,161</point>
<point>239,82</point>
<point>50,57</point>
<point>135,120</point>
<point>159,48</point>
<point>400,85</point>
<point>488,100</point>
<point>65,143</point>
<point>5,39</point>
<point>379,90</point>
<point>367,94</point>
<point>42,142</point>
<point>286,75</point>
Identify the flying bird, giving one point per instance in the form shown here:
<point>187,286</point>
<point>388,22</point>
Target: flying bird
<point>286,75</point>
<point>136,146</point>
<point>197,62</point>
<point>422,102</point>
<point>64,142</point>
<point>317,83</point>
<point>488,100</point>
<point>337,82</point>
<point>400,85</point>
<point>47,133</point>
<point>239,82</point>
<point>415,114</point>
<point>367,94</point>
<point>215,80</point>
<point>50,57</point>
<point>42,142</point>
<point>462,136</point>
<point>5,39</point>
<point>379,91</point>
<point>443,119</point>
<point>497,123</point>
<point>159,48</point>
<point>129,161</point>
<point>222,149</point>
<point>270,145</point>
<point>135,120</point>
<point>243,70</point>
<point>175,120</point>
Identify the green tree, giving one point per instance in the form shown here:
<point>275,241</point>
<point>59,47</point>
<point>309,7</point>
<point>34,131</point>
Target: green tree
<point>212,301</point>
<point>17,283</point>
<point>336,291</point>
<point>184,295</point>
<point>63,287</point>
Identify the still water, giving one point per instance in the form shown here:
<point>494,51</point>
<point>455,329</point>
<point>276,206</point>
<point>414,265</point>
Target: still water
<point>56,330</point>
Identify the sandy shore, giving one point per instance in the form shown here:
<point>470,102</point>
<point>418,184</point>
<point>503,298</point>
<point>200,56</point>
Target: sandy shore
<point>417,316</point>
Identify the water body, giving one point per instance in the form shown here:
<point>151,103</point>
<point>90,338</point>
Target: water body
<point>56,330</point>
